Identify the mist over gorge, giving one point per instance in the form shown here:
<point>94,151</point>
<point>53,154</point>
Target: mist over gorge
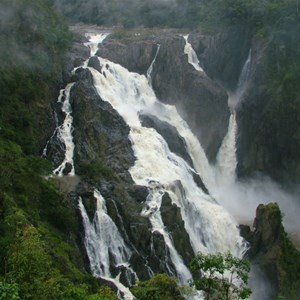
<point>147,145</point>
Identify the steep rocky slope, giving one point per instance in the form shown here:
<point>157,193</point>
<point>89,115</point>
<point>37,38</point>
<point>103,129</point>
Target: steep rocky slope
<point>200,101</point>
<point>272,250</point>
<point>267,111</point>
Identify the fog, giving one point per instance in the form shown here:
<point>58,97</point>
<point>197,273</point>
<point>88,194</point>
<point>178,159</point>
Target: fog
<point>259,284</point>
<point>127,13</point>
<point>242,198</point>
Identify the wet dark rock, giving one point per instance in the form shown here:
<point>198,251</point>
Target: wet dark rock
<point>101,133</point>
<point>160,257</point>
<point>135,54</point>
<point>127,277</point>
<point>272,250</point>
<point>172,219</point>
<point>55,151</point>
<point>76,56</point>
<point>106,187</point>
<point>175,142</point>
<point>140,263</point>
<point>138,192</point>
<point>200,183</point>
<point>108,283</point>
<point>266,140</point>
<point>94,63</point>
<point>67,169</point>
<point>60,115</point>
<point>222,55</point>
<point>199,100</point>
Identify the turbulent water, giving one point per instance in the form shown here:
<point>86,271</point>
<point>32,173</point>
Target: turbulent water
<point>192,56</point>
<point>226,158</point>
<point>210,227</point>
<point>236,96</point>
<point>64,131</point>
<point>104,245</point>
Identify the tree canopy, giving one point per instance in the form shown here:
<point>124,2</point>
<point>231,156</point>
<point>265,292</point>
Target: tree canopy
<point>221,276</point>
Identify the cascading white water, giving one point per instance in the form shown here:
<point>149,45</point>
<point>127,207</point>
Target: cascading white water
<point>207,223</point>
<point>150,69</point>
<point>226,158</point>
<point>104,244</point>
<point>235,97</point>
<point>169,114</point>
<point>192,56</point>
<point>94,40</point>
<point>152,211</point>
<point>64,132</point>
<point>226,161</point>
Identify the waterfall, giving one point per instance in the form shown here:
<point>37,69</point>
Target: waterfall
<point>94,40</point>
<point>242,85</point>
<point>169,114</point>
<point>104,244</point>
<point>226,158</point>
<point>192,56</point>
<point>209,226</point>
<point>150,69</point>
<point>64,132</point>
<point>152,210</point>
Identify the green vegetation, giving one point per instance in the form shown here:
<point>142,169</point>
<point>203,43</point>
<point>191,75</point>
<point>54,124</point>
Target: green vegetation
<point>160,287</point>
<point>221,277</point>
<point>38,224</point>
<point>94,170</point>
<point>288,260</point>
<point>33,41</point>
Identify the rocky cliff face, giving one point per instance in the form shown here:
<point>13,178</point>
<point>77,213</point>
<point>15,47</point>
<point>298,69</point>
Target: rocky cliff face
<point>103,153</point>
<point>199,100</point>
<point>272,250</point>
<point>223,54</point>
<point>267,126</point>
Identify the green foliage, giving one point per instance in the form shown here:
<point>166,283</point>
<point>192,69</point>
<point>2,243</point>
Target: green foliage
<point>104,293</point>
<point>95,170</point>
<point>221,277</point>
<point>290,269</point>
<point>32,272</point>
<point>33,40</point>
<point>9,291</point>
<point>160,287</point>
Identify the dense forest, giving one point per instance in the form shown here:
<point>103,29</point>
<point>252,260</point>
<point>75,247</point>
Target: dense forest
<point>39,253</point>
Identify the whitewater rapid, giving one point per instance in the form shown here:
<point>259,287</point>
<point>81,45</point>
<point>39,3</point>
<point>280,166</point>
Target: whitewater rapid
<point>210,227</point>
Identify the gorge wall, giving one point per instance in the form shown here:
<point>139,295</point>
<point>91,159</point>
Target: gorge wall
<point>267,141</point>
<point>105,150</point>
<point>104,156</point>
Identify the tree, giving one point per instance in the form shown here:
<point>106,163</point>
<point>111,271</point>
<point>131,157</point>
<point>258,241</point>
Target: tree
<point>221,276</point>
<point>159,287</point>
